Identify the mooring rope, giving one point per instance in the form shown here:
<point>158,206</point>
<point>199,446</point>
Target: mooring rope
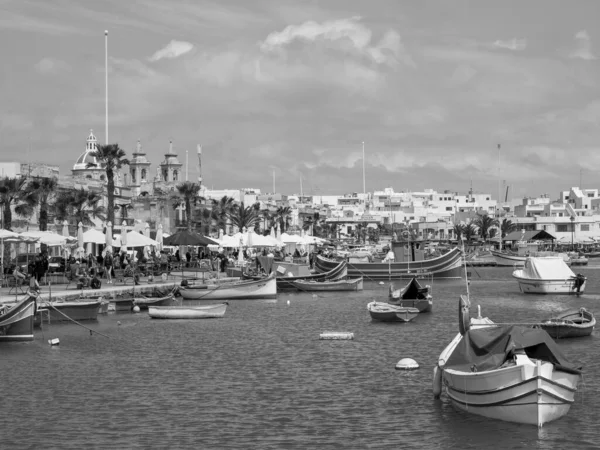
<point>73,320</point>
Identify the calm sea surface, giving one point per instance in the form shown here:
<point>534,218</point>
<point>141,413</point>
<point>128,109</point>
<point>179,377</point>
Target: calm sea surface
<point>261,378</point>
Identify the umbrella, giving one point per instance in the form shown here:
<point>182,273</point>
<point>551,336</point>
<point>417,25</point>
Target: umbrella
<point>94,236</point>
<point>188,238</point>
<point>278,234</point>
<point>240,250</point>
<point>147,230</point>
<point>65,228</point>
<point>250,241</point>
<point>159,236</point>
<point>80,248</point>
<point>124,236</point>
<point>108,237</point>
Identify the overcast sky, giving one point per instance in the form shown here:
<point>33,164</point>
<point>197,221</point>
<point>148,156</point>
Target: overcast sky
<point>295,87</point>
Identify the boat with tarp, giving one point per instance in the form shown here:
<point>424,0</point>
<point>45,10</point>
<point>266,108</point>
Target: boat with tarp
<point>549,275</point>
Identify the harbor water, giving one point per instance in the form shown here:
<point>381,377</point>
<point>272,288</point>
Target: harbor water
<point>261,378</point>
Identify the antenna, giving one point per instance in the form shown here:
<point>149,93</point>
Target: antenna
<point>499,194</point>
<point>199,151</point>
<point>274,181</point>
<point>363,161</point>
<point>301,191</point>
<point>106,87</point>
<point>187,165</point>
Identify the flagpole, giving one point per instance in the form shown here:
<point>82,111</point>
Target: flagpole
<point>363,161</point>
<point>186,165</point>
<point>106,87</point>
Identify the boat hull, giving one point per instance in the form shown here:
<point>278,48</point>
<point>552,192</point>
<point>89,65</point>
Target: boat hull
<point>529,394</point>
<point>445,266</point>
<point>185,312</point>
<point>146,302</point>
<point>504,259</point>
<point>329,286</point>
<point>243,290</point>
<point>16,324</point>
<point>384,312</point>
<point>538,286</point>
<point>78,311</point>
<point>570,324</point>
<point>122,304</point>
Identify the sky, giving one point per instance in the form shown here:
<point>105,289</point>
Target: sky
<point>291,88</point>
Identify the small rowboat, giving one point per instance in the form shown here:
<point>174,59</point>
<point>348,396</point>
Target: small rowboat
<point>187,312</point>
<point>246,289</point>
<point>329,285</point>
<point>384,312</point>
<point>572,323</point>
<point>146,302</point>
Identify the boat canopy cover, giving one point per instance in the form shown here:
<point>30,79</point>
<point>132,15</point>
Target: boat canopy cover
<point>483,349</point>
<point>547,268</point>
<point>414,290</point>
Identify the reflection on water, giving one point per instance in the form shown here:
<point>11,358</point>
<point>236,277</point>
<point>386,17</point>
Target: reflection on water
<point>261,378</point>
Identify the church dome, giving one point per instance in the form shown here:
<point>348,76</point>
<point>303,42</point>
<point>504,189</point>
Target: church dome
<point>87,156</point>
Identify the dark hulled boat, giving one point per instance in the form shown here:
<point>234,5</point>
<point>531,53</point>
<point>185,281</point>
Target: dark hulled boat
<point>16,320</point>
<point>572,323</point>
<point>413,295</point>
<point>337,272</point>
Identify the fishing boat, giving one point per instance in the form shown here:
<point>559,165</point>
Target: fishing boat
<point>61,311</point>
<point>187,312</point>
<point>355,284</point>
<point>246,289</point>
<point>548,275</point>
<point>16,319</point>
<point>505,372</point>
<point>338,272</point>
<point>145,302</point>
<point>578,259</point>
<point>505,258</point>
<point>447,265</point>
<point>568,324</point>
<point>412,295</point>
<point>384,312</point>
<point>121,304</point>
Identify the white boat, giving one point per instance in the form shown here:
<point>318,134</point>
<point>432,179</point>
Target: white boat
<point>246,289</point>
<point>505,372</point>
<point>508,259</point>
<point>548,275</point>
<point>384,312</point>
<point>187,312</point>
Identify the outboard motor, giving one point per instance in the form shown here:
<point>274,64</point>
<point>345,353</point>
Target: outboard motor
<point>578,282</point>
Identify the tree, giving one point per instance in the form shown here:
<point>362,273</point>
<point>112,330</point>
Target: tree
<point>284,217</point>
<point>111,158</point>
<point>458,231</point>
<point>244,216</point>
<point>17,193</point>
<point>79,206</point>
<point>45,189</point>
<point>507,227</point>
<point>469,231</point>
<point>484,223</point>
<point>220,210</point>
<point>187,196</point>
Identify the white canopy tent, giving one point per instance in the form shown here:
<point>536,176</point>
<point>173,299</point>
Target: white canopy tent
<point>94,236</point>
<point>134,239</point>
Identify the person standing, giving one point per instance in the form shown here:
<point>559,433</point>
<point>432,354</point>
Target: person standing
<point>108,267</point>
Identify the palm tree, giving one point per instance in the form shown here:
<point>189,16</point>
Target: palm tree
<point>484,223</point>
<point>507,227</point>
<point>458,231</point>
<point>17,193</point>
<point>469,230</point>
<point>111,158</point>
<point>284,216</point>
<point>124,209</point>
<point>220,211</point>
<point>244,216</point>
<point>45,189</point>
<point>188,196</point>
<point>79,205</point>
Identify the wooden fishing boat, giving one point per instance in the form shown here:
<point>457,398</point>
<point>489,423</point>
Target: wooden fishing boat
<point>329,285</point>
<point>549,275</point>
<point>568,324</point>
<point>145,302</point>
<point>62,311</point>
<point>412,295</point>
<point>503,258</point>
<point>121,304</point>
<point>337,272</point>
<point>384,312</point>
<point>16,319</point>
<point>447,265</point>
<point>246,289</point>
<point>187,312</point>
<point>505,372</point>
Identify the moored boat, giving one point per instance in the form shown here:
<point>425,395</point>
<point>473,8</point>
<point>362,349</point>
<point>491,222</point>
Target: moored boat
<point>447,265</point>
<point>246,289</point>
<point>337,272</point>
<point>61,311</point>
<point>384,312</point>
<point>16,319</point>
<point>568,324</point>
<point>355,284</point>
<point>505,372</point>
<point>412,295</point>
<point>122,304</point>
<point>549,275</point>
<point>187,312</point>
<point>145,302</point>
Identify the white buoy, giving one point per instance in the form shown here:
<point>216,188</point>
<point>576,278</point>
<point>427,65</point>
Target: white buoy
<point>336,335</point>
<point>407,364</point>
<point>54,341</point>
<point>288,302</point>
<point>315,295</point>
<point>136,309</point>
<point>118,322</point>
<point>381,283</point>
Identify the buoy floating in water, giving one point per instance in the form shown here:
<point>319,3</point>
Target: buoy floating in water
<point>288,302</point>
<point>407,364</point>
<point>381,283</point>
<point>136,309</point>
<point>54,341</point>
<point>315,296</point>
<point>336,335</point>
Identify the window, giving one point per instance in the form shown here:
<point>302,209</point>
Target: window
<point>585,227</point>
<point>448,208</point>
<point>143,174</point>
<point>562,227</point>
<point>132,175</point>
<point>165,175</point>
<point>174,175</point>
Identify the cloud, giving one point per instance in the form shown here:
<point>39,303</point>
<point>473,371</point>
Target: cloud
<point>583,46</point>
<point>512,44</point>
<point>174,49</point>
<point>51,66</point>
<point>347,34</point>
